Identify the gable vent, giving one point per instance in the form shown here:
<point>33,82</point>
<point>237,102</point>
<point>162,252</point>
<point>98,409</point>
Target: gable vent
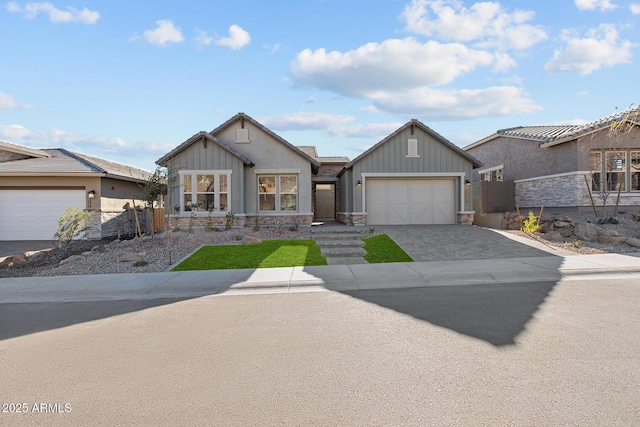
<point>242,136</point>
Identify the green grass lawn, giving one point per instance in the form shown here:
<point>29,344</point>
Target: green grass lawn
<point>268,254</point>
<point>382,248</point>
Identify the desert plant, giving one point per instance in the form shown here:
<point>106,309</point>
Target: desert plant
<point>209,225</point>
<point>229,220</point>
<point>71,224</point>
<point>295,225</point>
<point>140,263</point>
<point>278,224</point>
<point>608,220</point>
<point>256,226</point>
<point>237,237</point>
<point>636,216</point>
<point>191,221</point>
<point>530,225</point>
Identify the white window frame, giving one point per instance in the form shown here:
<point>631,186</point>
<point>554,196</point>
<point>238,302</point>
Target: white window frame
<point>623,171</point>
<point>633,171</point>
<point>278,194</point>
<point>216,191</point>
<point>412,148</point>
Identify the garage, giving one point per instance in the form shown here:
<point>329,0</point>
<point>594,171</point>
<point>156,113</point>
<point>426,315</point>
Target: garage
<point>34,214</point>
<point>410,201</point>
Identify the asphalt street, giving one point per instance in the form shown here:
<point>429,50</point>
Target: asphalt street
<point>537,353</point>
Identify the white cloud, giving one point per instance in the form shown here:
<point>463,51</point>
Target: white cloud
<point>8,101</point>
<point>635,8</point>
<point>584,93</point>
<point>372,130</point>
<point>143,154</point>
<point>165,33</point>
<point>595,4</point>
<point>238,38</point>
<point>305,120</point>
<point>57,16</point>
<point>486,23</point>
<point>600,48</point>
<point>391,65</point>
<point>451,104</point>
<point>202,38</point>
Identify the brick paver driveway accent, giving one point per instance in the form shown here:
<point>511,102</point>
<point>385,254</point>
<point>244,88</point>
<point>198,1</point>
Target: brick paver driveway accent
<point>460,242</point>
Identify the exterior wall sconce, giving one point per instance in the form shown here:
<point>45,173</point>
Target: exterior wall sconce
<point>91,195</point>
<point>359,184</point>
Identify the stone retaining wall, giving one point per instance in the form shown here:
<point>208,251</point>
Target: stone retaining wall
<point>565,190</point>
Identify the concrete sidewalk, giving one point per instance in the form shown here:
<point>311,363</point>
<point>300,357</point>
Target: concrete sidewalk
<point>319,278</point>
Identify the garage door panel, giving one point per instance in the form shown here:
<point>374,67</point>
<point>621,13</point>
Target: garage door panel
<point>34,214</point>
<point>410,201</point>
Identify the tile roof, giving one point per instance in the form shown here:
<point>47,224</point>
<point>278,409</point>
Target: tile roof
<point>557,134</point>
<point>61,161</point>
<point>19,149</point>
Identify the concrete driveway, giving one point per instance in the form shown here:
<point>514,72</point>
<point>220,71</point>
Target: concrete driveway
<point>460,242</point>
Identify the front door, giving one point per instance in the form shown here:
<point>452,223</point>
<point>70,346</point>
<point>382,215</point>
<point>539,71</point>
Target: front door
<point>325,201</point>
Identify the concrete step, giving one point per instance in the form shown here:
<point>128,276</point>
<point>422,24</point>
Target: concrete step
<point>326,236</point>
<point>343,252</point>
<point>344,243</point>
<point>336,231</point>
<point>345,260</point>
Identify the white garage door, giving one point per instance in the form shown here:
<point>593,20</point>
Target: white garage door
<point>410,201</point>
<point>33,214</point>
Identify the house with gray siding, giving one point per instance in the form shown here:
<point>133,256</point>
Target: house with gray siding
<point>565,166</point>
<point>413,176</point>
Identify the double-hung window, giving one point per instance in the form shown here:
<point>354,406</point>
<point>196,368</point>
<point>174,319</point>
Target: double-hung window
<point>635,171</point>
<point>595,158</point>
<point>204,191</point>
<point>615,168</point>
<point>278,193</point>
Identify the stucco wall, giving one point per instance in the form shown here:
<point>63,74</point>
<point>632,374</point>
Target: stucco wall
<point>523,158</point>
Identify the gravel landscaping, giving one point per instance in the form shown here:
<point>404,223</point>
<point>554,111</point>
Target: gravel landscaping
<point>162,253</point>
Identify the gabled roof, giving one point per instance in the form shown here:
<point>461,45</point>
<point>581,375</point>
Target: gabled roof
<point>212,137</point>
<point>61,162</point>
<point>558,134</point>
<point>413,122</point>
<point>198,137</point>
<point>19,149</point>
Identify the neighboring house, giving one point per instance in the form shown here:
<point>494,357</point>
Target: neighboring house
<point>414,176</point>
<point>37,186</point>
<point>549,164</point>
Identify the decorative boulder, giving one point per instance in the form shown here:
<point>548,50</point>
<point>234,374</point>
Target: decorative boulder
<point>250,240</point>
<point>13,260</point>
<point>632,241</point>
<point>554,236</point>
<point>72,258</point>
<point>612,240</point>
<point>586,231</point>
<point>132,257</point>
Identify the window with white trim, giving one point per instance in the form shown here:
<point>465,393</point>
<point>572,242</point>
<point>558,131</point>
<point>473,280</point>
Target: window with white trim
<point>635,170</point>
<point>616,167</point>
<point>204,191</point>
<point>412,148</point>
<point>277,193</point>
<point>595,158</point>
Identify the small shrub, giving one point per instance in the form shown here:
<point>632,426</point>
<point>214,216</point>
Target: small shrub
<point>229,220</point>
<point>372,230</point>
<point>530,225</point>
<point>140,263</point>
<point>71,223</point>
<point>177,228</point>
<point>608,220</point>
<point>256,226</point>
<point>278,224</point>
<point>237,237</point>
<point>294,227</point>
<point>636,216</point>
<point>576,244</point>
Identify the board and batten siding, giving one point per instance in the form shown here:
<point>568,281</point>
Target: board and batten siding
<point>213,157</point>
<point>267,153</point>
<point>391,157</point>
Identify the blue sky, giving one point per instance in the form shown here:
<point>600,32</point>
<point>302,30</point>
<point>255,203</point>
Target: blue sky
<point>128,81</point>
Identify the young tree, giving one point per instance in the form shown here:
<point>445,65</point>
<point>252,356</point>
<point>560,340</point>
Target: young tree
<point>152,189</point>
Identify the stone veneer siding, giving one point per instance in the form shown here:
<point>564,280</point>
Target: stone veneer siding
<point>350,218</point>
<point>241,221</point>
<point>563,190</point>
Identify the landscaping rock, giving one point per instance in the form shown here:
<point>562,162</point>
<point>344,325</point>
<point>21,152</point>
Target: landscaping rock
<point>554,236</point>
<point>612,233</point>
<point>132,257</point>
<point>250,240</point>
<point>566,231</point>
<point>612,240</point>
<point>586,231</point>
<point>71,259</point>
<point>632,241</point>
<point>14,259</point>
<point>561,224</point>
